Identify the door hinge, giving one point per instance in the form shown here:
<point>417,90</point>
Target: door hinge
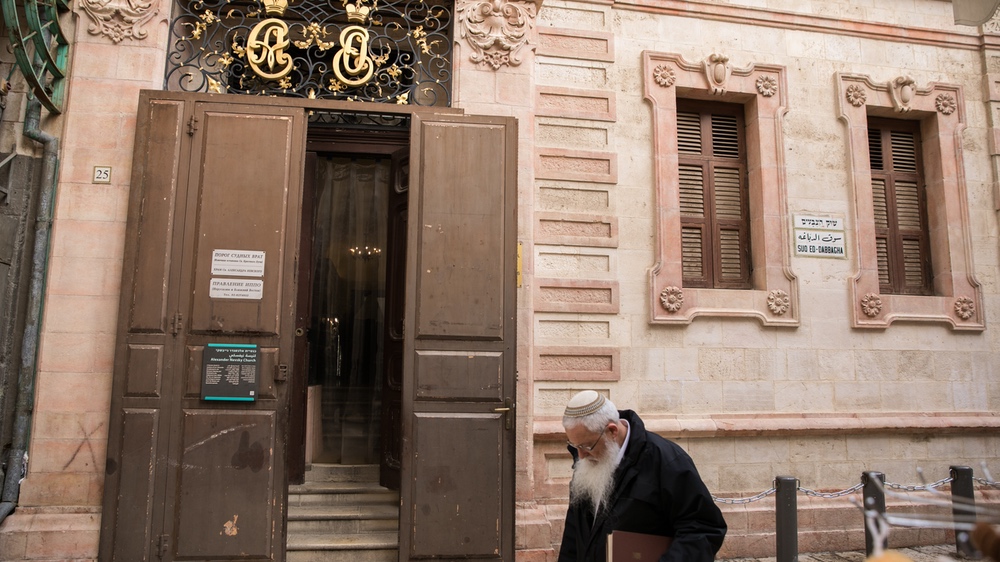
<point>162,546</point>
<point>192,126</point>
<point>176,323</point>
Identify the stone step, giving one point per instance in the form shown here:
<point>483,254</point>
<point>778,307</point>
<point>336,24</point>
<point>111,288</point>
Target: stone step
<point>323,547</point>
<point>342,520</point>
<point>341,556</point>
<point>320,472</point>
<point>341,514</point>
<point>340,493</point>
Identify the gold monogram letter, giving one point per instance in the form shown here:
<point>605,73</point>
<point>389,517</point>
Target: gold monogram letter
<point>352,58</point>
<point>267,43</point>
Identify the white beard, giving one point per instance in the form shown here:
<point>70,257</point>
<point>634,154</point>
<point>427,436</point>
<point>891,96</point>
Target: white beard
<point>593,478</point>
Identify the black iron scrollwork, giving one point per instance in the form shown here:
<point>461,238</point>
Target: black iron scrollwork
<point>391,51</point>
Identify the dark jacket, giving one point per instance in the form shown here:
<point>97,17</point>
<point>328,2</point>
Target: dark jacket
<point>658,491</point>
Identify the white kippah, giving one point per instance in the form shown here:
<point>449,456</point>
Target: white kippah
<point>584,404</point>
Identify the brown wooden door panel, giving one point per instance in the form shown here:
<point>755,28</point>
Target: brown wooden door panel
<point>459,286</point>
<point>145,352</point>
<point>144,371</point>
<point>459,340</point>
<point>227,458</point>
<point>208,175</point>
<point>457,486</point>
<point>459,375</point>
<point>136,486</point>
<point>156,167</point>
<point>244,189</point>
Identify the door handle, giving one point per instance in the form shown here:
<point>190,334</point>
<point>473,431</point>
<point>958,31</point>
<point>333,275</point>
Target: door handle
<point>507,408</point>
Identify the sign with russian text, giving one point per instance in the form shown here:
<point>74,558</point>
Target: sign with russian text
<point>229,372</point>
<point>251,289</point>
<point>238,263</point>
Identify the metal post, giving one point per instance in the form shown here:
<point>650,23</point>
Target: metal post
<point>786,522</point>
<point>963,502</point>
<point>874,500</point>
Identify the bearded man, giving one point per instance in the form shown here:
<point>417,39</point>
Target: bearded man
<point>626,478</point>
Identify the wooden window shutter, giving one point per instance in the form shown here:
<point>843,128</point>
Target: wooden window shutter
<point>714,207</point>
<point>900,208</point>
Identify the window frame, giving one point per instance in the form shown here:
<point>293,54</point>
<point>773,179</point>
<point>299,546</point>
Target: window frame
<point>760,89</point>
<point>940,113</point>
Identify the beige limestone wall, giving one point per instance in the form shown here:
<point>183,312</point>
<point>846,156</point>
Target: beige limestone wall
<point>821,401</point>
<point>58,514</point>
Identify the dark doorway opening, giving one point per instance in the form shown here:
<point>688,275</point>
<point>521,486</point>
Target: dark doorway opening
<point>351,291</point>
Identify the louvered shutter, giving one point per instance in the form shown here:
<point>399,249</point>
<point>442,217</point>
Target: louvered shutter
<point>713,196</point>
<point>694,223</point>
<point>900,212</point>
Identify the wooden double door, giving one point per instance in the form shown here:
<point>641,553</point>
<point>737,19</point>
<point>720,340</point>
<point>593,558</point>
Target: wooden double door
<point>213,263</point>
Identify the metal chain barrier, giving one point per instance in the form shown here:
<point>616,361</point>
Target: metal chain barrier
<point>830,495</point>
<point>741,501</point>
<point>986,482</point>
<point>919,487</point>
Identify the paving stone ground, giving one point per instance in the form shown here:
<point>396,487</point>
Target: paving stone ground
<point>937,553</point>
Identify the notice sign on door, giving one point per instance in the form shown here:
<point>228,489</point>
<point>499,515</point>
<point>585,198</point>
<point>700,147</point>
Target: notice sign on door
<point>229,372</point>
<point>238,263</point>
<point>236,289</point>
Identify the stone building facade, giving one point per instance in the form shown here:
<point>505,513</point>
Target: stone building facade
<point>815,357</point>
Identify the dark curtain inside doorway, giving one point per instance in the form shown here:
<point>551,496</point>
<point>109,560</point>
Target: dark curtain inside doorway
<point>348,305</point>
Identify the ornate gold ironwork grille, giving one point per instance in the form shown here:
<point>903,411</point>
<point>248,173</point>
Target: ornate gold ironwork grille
<point>393,51</point>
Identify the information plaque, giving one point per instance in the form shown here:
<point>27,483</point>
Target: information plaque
<point>229,372</point>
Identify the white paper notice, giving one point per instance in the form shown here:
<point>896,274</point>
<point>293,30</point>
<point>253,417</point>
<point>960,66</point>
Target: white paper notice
<point>241,263</point>
<point>250,289</point>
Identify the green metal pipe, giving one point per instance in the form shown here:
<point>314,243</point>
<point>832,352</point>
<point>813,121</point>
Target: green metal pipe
<point>17,464</point>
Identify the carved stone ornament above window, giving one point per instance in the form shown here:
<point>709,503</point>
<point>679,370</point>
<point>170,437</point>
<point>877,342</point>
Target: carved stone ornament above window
<point>717,70</point>
<point>939,109</point>
<point>498,31</point>
<point>767,86</point>
<point>856,95</point>
<point>119,19</point>
<point>773,295</point>
<point>902,93</point>
<point>664,76</point>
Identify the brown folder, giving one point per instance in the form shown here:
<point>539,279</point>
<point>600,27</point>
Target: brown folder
<point>624,546</point>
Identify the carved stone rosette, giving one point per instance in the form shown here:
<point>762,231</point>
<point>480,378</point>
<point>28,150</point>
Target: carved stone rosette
<point>498,31</point>
<point>778,301</point>
<point>767,86</point>
<point>664,76</point>
<point>965,307</point>
<point>856,95</point>
<point>119,19</point>
<point>945,104</point>
<point>871,305</point>
<point>672,298</point>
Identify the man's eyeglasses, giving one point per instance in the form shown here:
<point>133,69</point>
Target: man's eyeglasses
<point>588,448</point>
